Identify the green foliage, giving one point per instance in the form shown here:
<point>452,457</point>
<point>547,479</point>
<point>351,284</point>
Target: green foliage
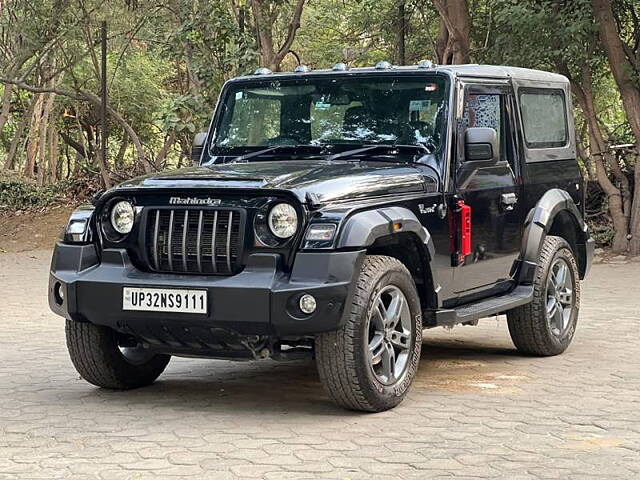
<point>168,60</point>
<point>602,233</point>
<point>18,195</point>
<point>180,114</point>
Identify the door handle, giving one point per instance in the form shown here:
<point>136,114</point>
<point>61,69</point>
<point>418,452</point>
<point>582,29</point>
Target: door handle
<point>509,200</point>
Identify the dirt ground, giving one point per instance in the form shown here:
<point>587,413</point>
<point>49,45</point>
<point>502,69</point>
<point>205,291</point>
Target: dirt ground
<point>24,231</point>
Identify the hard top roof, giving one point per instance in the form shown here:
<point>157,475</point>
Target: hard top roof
<point>470,70</point>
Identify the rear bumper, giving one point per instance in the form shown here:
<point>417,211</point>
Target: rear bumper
<point>260,300</point>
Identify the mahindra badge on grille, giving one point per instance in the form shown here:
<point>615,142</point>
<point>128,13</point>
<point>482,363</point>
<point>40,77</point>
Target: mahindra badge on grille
<point>194,201</point>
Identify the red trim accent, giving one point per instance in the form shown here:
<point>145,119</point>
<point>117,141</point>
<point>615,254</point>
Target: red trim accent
<point>465,229</point>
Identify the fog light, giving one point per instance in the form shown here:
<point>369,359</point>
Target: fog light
<point>307,304</point>
<point>58,293</point>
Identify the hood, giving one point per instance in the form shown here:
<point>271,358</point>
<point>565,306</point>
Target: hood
<point>327,181</point>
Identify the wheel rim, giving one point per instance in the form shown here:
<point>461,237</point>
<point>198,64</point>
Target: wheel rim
<point>560,297</point>
<point>389,335</point>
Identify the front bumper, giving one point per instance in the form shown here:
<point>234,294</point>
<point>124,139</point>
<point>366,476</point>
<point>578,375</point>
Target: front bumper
<point>260,300</point>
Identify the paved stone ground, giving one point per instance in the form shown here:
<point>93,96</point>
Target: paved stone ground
<point>477,409</point>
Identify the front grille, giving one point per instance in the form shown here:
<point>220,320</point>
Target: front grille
<point>204,241</point>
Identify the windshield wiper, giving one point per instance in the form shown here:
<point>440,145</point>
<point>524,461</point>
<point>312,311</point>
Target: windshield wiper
<point>258,153</point>
<point>367,148</point>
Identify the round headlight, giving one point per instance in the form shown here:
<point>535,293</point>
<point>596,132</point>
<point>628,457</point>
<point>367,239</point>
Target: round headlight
<point>283,220</point>
<point>122,215</point>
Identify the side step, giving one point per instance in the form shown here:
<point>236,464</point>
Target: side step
<point>521,295</point>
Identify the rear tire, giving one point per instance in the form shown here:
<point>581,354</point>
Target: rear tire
<point>546,326</point>
<point>98,359</point>
<point>369,364</point>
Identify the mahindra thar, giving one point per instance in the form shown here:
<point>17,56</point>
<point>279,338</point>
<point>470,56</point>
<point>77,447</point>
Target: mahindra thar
<point>335,214</point>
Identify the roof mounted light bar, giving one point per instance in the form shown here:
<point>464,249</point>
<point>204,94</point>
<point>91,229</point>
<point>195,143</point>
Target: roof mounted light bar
<point>301,69</point>
<point>340,67</point>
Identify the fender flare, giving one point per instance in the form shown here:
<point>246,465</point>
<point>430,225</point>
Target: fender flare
<point>362,229</point>
<point>537,225</point>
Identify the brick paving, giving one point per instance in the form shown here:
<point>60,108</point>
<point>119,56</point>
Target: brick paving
<point>476,410</point>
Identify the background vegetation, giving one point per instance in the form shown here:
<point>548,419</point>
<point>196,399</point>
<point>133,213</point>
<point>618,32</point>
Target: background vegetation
<point>168,59</point>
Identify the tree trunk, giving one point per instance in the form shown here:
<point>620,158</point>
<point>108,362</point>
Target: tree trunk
<point>600,152</point>
<point>119,162</point>
<point>162,154</point>
<point>33,137</point>
<point>54,150</point>
<point>401,34</point>
<point>264,25</point>
<point>623,73</point>
<point>103,162</point>
<point>5,105</point>
<point>454,16</point>
<point>95,100</point>
<point>17,137</point>
<point>442,41</point>
<point>43,138</point>
<point>581,147</point>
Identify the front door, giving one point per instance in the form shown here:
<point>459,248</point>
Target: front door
<point>493,193</point>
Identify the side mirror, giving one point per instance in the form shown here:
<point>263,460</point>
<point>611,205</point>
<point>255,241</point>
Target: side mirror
<point>197,147</point>
<point>481,145</point>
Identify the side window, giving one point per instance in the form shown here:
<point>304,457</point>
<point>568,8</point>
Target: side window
<point>485,110</point>
<point>544,117</point>
<point>488,110</point>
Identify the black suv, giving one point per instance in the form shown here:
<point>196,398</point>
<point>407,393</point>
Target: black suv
<point>336,214</point>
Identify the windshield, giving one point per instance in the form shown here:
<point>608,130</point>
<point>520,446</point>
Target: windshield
<point>347,111</point>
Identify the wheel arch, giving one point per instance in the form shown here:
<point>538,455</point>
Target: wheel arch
<point>554,214</point>
<point>396,232</point>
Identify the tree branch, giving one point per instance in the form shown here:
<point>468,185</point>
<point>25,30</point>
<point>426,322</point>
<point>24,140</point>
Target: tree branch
<point>293,28</point>
<point>86,97</point>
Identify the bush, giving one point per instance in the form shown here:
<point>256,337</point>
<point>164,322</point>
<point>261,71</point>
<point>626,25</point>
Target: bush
<point>20,195</point>
<point>602,233</point>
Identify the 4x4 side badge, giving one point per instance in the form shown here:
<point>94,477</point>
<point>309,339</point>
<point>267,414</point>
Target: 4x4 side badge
<point>425,210</point>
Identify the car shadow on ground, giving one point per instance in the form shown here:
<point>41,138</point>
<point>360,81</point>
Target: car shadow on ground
<point>268,387</point>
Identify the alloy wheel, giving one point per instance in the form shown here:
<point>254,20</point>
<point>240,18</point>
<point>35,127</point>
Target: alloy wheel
<point>389,335</point>
<point>560,297</point>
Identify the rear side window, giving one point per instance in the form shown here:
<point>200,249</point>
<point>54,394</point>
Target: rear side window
<point>544,117</point>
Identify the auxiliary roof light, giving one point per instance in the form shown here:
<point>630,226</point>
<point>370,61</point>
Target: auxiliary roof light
<point>383,65</point>
<point>426,64</point>
<point>263,71</point>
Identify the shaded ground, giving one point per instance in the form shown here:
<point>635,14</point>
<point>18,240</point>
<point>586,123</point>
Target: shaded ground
<point>476,410</point>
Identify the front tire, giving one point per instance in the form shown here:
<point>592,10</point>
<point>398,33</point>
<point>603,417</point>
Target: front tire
<point>546,326</point>
<point>369,364</point>
<point>98,358</point>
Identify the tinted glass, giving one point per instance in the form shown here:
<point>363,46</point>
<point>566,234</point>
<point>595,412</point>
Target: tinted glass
<point>544,118</point>
<point>322,111</point>
<point>484,110</point>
